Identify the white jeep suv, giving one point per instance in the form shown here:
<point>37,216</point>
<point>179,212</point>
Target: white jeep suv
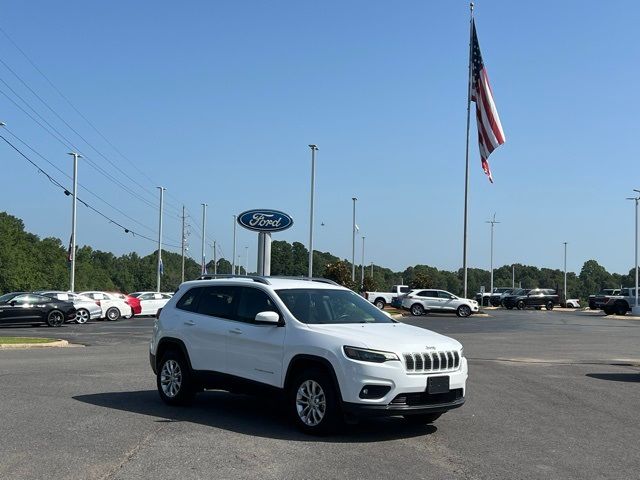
<point>333,354</point>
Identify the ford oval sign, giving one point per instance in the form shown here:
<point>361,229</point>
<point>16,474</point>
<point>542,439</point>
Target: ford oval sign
<point>265,220</point>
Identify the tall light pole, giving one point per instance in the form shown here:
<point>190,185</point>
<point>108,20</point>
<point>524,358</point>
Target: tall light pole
<point>239,267</point>
<point>565,274</point>
<point>74,205</point>
<point>362,267</point>
<point>184,243</point>
<point>314,149</point>
<point>492,222</point>
<point>215,259</point>
<point>233,257</point>
<point>203,266</point>
<point>246,259</point>
<point>635,310</point>
<point>160,266</point>
<point>353,242</point>
<point>513,276</point>
<point>371,270</point>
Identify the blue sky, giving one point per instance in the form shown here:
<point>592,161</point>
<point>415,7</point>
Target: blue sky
<point>217,101</point>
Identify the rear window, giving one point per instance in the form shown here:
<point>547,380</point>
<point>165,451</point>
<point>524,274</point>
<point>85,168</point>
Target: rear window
<point>189,300</point>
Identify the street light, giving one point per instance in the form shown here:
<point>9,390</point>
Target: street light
<point>492,222</point>
<point>565,274</point>
<point>74,206</point>
<point>160,267</point>
<point>635,310</point>
<point>353,242</point>
<point>314,149</point>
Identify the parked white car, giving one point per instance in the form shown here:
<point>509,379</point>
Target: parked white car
<point>421,301</point>
<point>332,353</point>
<point>86,308</point>
<point>151,302</point>
<point>381,299</point>
<point>113,307</point>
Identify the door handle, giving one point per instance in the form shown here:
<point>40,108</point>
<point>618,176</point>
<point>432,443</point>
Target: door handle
<point>190,322</point>
<point>236,331</point>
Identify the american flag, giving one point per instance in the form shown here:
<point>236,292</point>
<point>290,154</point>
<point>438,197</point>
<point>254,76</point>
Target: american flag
<point>490,133</point>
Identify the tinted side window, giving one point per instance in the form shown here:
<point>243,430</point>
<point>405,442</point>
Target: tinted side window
<point>252,302</point>
<point>189,300</point>
<point>218,301</point>
<point>445,295</point>
<point>430,293</point>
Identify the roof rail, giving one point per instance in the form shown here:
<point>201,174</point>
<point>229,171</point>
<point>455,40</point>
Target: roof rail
<point>313,279</point>
<point>255,278</point>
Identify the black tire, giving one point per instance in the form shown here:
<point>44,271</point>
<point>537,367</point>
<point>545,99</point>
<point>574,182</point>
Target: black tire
<point>592,306</point>
<point>175,380</point>
<point>538,308</point>
<point>520,305</point>
<point>326,416</point>
<point>417,310</point>
<point>608,310</point>
<point>55,318</point>
<point>82,316</point>
<point>380,303</point>
<point>112,314</point>
<point>509,307</point>
<point>422,419</point>
<point>549,306</point>
<point>621,308</point>
<point>463,311</point>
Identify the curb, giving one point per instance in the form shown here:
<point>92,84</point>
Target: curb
<point>24,346</point>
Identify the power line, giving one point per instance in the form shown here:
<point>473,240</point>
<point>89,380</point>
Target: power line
<point>67,192</point>
<point>68,101</point>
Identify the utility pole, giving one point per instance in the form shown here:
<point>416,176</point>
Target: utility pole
<point>215,259</point>
<point>362,267</point>
<point>233,257</point>
<point>314,149</point>
<point>492,222</point>
<point>74,206</point>
<point>203,265</point>
<point>353,243</point>
<point>184,241</point>
<point>160,266</point>
<point>565,274</point>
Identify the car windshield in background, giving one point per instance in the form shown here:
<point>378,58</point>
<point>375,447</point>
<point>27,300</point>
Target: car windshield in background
<point>317,306</point>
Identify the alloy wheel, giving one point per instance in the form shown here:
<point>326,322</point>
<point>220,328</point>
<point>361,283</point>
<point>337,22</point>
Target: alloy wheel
<point>82,316</point>
<point>55,318</point>
<point>171,378</point>
<point>311,403</point>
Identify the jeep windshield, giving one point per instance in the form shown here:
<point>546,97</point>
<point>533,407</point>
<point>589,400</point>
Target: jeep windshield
<point>321,305</point>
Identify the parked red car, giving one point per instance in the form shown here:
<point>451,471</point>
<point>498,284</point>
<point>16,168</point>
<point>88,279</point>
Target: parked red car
<point>133,302</point>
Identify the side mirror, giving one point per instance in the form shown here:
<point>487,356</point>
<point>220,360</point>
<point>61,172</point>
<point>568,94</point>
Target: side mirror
<point>271,318</point>
<point>12,303</point>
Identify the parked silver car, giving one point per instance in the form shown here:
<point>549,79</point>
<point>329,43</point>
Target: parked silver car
<point>86,308</point>
<point>421,301</point>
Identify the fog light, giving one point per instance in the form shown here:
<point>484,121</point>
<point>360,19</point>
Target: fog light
<point>374,391</point>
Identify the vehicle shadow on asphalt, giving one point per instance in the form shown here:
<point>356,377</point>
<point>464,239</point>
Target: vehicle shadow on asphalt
<point>250,415</point>
<point>616,377</point>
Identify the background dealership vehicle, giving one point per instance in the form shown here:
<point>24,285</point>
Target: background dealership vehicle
<point>113,306</point>
<point>572,303</point>
<point>381,299</point>
<point>421,301</point>
<point>621,303</point>
<point>22,307</point>
<point>330,352</point>
<point>86,308</point>
<point>151,302</point>
<point>532,297</point>
<point>498,295</point>
<point>599,299</point>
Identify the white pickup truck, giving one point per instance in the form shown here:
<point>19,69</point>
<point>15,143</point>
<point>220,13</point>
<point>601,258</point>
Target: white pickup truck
<point>380,299</point>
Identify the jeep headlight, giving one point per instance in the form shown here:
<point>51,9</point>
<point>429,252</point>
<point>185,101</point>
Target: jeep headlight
<point>366,355</point>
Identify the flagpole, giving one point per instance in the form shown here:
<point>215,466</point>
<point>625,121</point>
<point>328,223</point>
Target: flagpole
<point>466,171</point>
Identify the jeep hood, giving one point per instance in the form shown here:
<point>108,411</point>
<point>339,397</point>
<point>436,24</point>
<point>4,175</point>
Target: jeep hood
<point>395,337</point>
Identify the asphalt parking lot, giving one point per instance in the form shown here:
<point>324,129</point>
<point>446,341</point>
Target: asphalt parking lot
<point>550,395</point>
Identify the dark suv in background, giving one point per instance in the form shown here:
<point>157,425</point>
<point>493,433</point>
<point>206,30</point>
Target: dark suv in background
<point>532,297</point>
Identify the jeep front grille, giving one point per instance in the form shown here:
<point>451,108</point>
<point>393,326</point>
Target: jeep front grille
<point>427,362</point>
